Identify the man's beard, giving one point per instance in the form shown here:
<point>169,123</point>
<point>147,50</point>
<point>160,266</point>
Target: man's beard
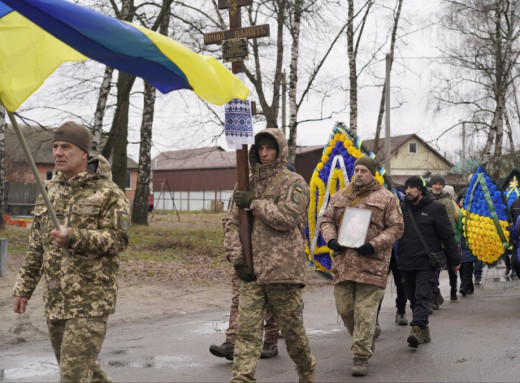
<point>413,199</point>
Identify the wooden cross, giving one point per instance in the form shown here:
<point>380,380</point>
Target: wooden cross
<point>237,32</point>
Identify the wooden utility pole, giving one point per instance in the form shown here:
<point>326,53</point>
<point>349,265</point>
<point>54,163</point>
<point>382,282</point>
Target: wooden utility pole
<point>234,50</point>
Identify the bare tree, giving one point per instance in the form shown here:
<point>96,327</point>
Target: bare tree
<point>291,23</point>
<point>397,15</point>
<point>104,92</point>
<point>482,57</point>
<point>352,50</point>
<point>140,207</point>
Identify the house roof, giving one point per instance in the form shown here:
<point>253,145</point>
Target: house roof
<point>470,166</point>
<point>39,141</point>
<point>214,157</point>
<point>396,142</point>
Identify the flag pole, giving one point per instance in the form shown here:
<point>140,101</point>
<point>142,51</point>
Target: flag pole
<point>36,175</point>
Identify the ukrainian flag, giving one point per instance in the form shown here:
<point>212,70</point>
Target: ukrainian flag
<point>161,61</point>
<point>28,55</point>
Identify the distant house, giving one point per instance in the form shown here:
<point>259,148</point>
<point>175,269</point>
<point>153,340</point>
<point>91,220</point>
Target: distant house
<point>22,186</point>
<point>410,155</point>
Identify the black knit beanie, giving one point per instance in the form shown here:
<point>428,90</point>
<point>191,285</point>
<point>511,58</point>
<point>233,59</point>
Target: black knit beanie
<point>437,178</point>
<point>416,182</point>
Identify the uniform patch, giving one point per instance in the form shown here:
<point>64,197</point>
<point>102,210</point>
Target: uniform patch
<point>296,195</point>
<point>124,221</point>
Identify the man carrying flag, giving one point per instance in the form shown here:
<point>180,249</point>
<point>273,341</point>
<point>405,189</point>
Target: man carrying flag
<point>79,261</point>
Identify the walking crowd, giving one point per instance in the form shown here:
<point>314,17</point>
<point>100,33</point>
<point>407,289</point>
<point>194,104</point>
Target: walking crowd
<point>415,235</point>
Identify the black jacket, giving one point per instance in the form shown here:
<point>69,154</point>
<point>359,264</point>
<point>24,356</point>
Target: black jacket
<point>432,219</point>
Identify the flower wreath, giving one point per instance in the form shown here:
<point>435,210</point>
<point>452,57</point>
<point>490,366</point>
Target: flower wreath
<point>510,187</point>
<point>484,219</point>
<point>333,172</point>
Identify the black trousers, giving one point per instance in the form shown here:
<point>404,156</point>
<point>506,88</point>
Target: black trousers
<point>419,288</point>
<point>466,276</point>
<point>400,300</point>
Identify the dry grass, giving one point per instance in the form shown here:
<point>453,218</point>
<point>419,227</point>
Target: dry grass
<point>168,250</point>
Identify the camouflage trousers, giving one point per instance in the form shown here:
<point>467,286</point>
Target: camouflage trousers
<point>270,326</point>
<point>286,303</point>
<point>357,305</point>
<point>76,343</point>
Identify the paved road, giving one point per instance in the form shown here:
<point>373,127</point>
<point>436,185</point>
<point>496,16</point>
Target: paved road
<point>474,340</point>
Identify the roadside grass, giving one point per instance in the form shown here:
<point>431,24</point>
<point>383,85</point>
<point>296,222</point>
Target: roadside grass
<point>169,250</point>
<point>163,244</point>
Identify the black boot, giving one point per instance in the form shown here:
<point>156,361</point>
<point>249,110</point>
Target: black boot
<point>225,350</point>
<point>269,350</point>
<point>453,295</point>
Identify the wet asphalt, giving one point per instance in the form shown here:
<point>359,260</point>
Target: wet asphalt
<point>476,339</point>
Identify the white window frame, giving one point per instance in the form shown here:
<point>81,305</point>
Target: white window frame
<point>409,147</point>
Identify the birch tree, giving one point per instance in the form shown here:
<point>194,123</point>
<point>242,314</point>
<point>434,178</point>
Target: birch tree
<point>99,114</point>
<point>393,38</point>
<point>140,207</point>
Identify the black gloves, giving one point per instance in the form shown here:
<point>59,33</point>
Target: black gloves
<point>244,272</point>
<point>243,199</point>
<point>334,245</point>
<point>365,249</point>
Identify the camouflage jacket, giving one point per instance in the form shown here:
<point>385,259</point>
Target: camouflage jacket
<point>444,198</point>
<point>386,226</point>
<point>279,218</point>
<point>83,283</point>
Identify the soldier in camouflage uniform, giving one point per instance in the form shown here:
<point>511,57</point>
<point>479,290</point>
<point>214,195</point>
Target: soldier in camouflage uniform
<point>278,201</point>
<point>79,262</point>
<point>227,349</point>
<point>360,274</point>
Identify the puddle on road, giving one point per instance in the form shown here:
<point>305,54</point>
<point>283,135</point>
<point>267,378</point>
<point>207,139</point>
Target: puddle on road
<point>321,332</point>
<point>212,327</point>
<point>158,362</point>
<point>31,369</point>
<point>44,367</point>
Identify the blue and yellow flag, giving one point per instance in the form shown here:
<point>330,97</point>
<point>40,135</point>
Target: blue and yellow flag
<point>28,55</point>
<point>161,61</point>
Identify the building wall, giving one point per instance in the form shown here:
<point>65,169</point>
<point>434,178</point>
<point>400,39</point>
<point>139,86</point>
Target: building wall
<point>405,163</point>
<point>306,163</point>
<point>130,193</point>
<point>195,179</point>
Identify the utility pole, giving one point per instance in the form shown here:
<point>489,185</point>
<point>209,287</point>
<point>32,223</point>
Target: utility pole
<point>234,50</point>
<point>387,114</point>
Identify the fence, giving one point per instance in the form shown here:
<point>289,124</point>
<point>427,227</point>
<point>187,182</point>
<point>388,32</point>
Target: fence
<point>211,200</point>
<point>20,197</point>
